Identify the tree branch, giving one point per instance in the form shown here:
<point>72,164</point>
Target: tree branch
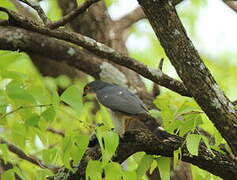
<point>55,131</point>
<point>100,50</point>
<point>24,156</point>
<point>73,14</point>
<point>142,140</point>
<point>128,20</point>
<point>232,4</point>
<point>189,66</point>
<point>35,5</point>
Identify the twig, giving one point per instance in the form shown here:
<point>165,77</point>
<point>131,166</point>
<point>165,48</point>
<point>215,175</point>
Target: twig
<point>161,64</point>
<point>102,51</point>
<point>232,4</point>
<point>24,107</point>
<point>24,156</point>
<point>69,17</point>
<point>234,102</point>
<point>54,131</point>
<point>35,5</point>
<point>128,20</point>
<point>156,88</point>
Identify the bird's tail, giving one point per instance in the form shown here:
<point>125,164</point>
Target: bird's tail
<point>152,124</point>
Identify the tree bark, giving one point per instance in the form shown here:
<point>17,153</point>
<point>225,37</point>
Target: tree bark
<point>191,69</point>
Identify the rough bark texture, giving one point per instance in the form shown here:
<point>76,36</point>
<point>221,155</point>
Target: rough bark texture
<point>191,69</point>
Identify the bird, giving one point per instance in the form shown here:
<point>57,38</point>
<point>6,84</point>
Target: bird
<point>122,103</point>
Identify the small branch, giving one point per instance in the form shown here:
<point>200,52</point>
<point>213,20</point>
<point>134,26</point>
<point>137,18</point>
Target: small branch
<point>156,88</point>
<point>232,4</point>
<point>69,17</point>
<point>54,131</point>
<point>35,5</point>
<point>24,156</point>
<point>24,107</point>
<point>102,51</point>
<point>161,64</point>
<point>234,102</point>
<point>128,20</point>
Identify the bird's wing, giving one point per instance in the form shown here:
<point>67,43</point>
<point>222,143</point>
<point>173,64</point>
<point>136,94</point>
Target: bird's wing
<point>120,99</point>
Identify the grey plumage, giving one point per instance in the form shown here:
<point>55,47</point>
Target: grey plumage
<point>121,100</point>
<point>117,98</point>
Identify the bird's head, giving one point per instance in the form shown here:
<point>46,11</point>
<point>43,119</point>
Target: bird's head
<point>94,86</point>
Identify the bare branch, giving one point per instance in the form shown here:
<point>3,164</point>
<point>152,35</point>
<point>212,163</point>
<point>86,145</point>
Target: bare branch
<point>73,14</point>
<point>55,131</point>
<point>232,4</point>
<point>35,5</point>
<point>24,107</point>
<point>24,156</point>
<point>128,20</point>
<point>102,51</point>
<point>161,64</point>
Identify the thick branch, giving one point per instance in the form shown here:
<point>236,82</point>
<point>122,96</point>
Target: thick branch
<point>12,38</point>
<point>142,140</point>
<point>188,64</point>
<point>24,156</point>
<point>102,51</point>
<point>73,14</point>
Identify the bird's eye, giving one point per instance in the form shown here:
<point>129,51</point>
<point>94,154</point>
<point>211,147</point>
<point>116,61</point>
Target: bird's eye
<point>86,88</point>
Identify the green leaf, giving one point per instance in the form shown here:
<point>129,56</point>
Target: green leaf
<point>144,165</point>
<point>49,155</point>
<point>164,167</point>
<point>63,81</point>
<point>8,175</point>
<point>81,142</point>
<point>5,154</point>
<point>93,170</point>
<point>190,123</point>
<point>177,156</point>
<point>73,97</point>
<point>66,150</point>
<point>55,98</point>
<point>16,92</point>
<point>128,175</point>
<point>33,120</point>
<point>49,114</point>
<point>19,134</point>
<point>3,106</point>
<point>192,143</point>
<point>8,58</point>
<point>113,171</point>
<point>14,75</point>
<point>109,142</point>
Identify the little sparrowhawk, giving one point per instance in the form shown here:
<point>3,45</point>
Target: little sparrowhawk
<point>122,102</point>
